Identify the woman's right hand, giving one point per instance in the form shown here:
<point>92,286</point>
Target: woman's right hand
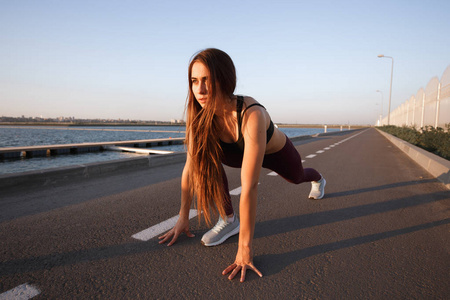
<point>181,226</point>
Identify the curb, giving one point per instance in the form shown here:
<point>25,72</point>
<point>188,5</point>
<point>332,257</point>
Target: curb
<point>435,165</point>
<point>61,174</point>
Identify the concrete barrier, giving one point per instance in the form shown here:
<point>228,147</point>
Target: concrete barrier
<point>435,165</point>
<point>76,172</point>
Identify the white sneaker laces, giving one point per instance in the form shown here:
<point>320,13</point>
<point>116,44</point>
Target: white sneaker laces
<point>221,224</point>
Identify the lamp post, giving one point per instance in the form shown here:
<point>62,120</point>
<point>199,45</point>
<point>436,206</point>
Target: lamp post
<point>390,89</point>
<point>381,115</point>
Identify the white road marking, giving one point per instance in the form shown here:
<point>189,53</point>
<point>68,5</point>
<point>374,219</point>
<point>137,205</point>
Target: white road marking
<point>21,292</point>
<point>162,227</point>
<point>236,191</point>
<point>352,136</point>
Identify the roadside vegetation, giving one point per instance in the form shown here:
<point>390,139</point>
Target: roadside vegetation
<point>434,140</point>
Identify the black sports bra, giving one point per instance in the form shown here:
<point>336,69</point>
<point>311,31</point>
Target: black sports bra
<point>239,144</point>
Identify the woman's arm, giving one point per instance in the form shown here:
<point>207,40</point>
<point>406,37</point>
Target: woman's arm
<point>254,133</point>
<point>182,224</point>
<point>186,196</point>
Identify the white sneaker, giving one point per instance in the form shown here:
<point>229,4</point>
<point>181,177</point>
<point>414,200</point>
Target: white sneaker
<point>317,189</point>
<point>221,232</point>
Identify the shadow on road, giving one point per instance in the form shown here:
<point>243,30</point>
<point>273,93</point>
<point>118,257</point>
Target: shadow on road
<point>379,188</point>
<point>283,225</point>
<point>285,259</point>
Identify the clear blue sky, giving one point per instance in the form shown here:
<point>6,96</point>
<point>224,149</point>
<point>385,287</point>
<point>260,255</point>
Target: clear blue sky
<point>306,61</point>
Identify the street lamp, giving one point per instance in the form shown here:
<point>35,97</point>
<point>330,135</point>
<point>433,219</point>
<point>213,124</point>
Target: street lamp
<point>381,115</point>
<point>390,89</point>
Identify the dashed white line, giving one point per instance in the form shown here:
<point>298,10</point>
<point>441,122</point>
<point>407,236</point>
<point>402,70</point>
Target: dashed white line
<point>162,227</point>
<point>236,191</point>
<point>352,136</point>
<point>23,291</point>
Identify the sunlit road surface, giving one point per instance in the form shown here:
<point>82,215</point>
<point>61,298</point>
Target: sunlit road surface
<point>381,232</point>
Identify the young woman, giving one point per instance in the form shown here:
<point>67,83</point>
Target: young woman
<point>236,131</point>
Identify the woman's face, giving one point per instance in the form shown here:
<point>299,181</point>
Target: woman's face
<point>200,81</point>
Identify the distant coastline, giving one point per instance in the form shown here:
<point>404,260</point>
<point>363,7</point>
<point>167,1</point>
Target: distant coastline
<point>72,121</point>
<point>160,123</point>
<point>74,124</point>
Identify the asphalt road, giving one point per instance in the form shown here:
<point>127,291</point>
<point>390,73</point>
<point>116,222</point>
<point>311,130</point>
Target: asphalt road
<point>381,232</point>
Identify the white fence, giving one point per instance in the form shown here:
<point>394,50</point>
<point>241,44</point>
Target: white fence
<point>429,107</point>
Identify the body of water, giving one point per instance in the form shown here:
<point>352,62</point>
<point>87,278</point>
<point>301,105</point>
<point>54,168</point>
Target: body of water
<point>17,136</point>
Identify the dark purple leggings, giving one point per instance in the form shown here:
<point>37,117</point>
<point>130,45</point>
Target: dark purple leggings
<point>286,162</point>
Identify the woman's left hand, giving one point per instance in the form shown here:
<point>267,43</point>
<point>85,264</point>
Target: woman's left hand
<point>242,263</point>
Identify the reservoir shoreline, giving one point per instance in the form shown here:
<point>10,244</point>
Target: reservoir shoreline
<point>157,123</point>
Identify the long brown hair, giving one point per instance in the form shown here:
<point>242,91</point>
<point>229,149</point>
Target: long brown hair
<point>202,132</point>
